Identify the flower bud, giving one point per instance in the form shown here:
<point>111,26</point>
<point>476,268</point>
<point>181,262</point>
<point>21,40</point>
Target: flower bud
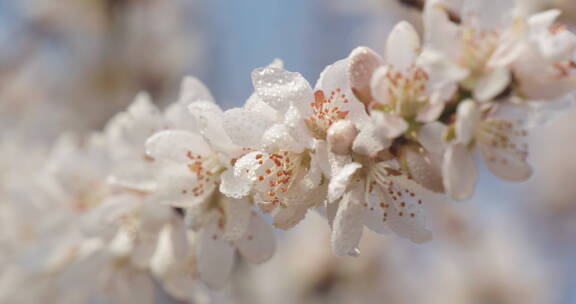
<point>340,136</point>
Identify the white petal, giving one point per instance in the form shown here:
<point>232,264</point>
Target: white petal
<point>373,217</point>
<point>511,46</point>
<point>559,46</point>
<point>438,99</point>
<point>403,209</point>
<point>278,87</point>
<point>389,125</point>
<point>175,272</point>
<point>122,244</point>
<point>177,116</point>
<point>487,14</point>
<point>334,79</point>
<point>176,186</point>
<point>237,214</point>
<point>211,120</point>
<point>192,89</point>
<point>379,84</point>
<point>258,244</point>
<point>408,227</point>
<point>362,64</point>
<point>439,66</point>
<point>313,177</point>
<point>506,155</point>
<point>197,215</point>
<point>322,157</point>
<point>467,120</point>
<point>144,248</point>
<point>215,257</point>
<point>540,22</point>
<point>232,186</point>
<point>459,172</point>
<point>142,106</point>
<point>492,83</point>
<point>134,175</point>
<point>506,166</point>
<point>296,126</point>
<point>245,127</point>
<point>403,46</point>
<point>256,105</point>
<point>348,224</point>
<point>423,167</point>
<point>369,141</point>
<point>430,136</point>
<point>441,34</point>
<point>246,166</point>
<point>141,119</point>
<point>295,208</point>
<point>176,146</point>
<point>341,180</point>
<point>287,216</point>
<point>279,136</point>
<point>172,244</point>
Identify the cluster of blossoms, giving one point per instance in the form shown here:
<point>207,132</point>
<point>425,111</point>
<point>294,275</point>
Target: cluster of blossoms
<point>174,194</point>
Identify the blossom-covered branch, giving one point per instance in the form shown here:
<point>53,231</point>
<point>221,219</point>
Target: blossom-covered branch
<point>176,193</point>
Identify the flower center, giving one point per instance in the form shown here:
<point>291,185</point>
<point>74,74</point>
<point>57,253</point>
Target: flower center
<point>503,138</point>
<point>477,47</point>
<point>406,91</point>
<point>325,111</point>
<point>207,170</point>
<point>276,173</point>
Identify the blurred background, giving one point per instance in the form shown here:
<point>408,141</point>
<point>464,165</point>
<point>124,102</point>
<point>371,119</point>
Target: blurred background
<point>71,64</point>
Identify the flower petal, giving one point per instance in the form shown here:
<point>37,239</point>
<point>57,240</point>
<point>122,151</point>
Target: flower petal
<point>192,89</point>
<point>237,214</point>
<point>408,227</point>
<point>441,34</point>
<point>215,256</point>
<point>379,84</point>
<point>348,224</point>
<point>402,46</point>
<point>279,136</point>
<point>389,125</point>
<point>506,166</point>
<point>438,99</point>
<point>278,87</point>
<point>245,127</point>
<point>258,244</point>
<point>430,136</point>
<point>341,180</point>
<point>369,141</point>
<point>467,120</point>
<point>178,187</point>
<point>334,80</point>
<point>232,186</point>
<point>176,146</point>
<point>295,208</point>
<point>459,172</point>
<point>492,83</point>
<point>211,120</point>
<point>362,64</point>
<point>487,14</point>
<point>422,166</point>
